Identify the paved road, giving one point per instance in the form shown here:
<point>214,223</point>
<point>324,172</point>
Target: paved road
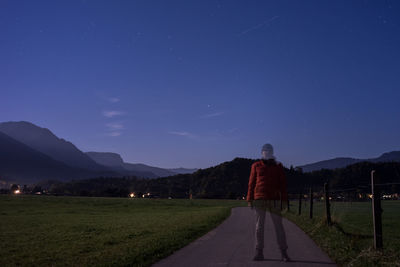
<point>232,244</point>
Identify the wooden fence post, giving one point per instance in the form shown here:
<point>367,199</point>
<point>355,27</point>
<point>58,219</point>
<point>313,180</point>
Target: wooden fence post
<point>327,205</point>
<point>300,195</point>
<point>305,202</point>
<point>376,213</point>
<point>311,202</point>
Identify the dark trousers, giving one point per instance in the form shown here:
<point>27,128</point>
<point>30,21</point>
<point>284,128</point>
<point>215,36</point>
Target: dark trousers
<point>261,207</point>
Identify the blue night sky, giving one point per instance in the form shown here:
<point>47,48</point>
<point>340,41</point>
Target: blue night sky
<point>197,83</point>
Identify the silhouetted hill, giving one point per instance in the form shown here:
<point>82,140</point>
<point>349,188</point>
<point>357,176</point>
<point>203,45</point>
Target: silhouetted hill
<point>182,170</point>
<point>358,175</point>
<point>387,157</point>
<point>106,158</point>
<point>71,162</point>
<point>343,162</point>
<point>329,164</point>
<point>226,180</point>
<point>230,180</point>
<point>43,140</point>
<point>115,161</point>
<point>22,164</point>
<point>158,172</point>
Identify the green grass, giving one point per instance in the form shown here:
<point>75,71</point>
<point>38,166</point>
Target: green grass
<point>78,231</point>
<point>349,242</point>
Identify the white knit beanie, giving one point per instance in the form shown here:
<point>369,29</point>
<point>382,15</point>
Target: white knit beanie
<point>267,147</point>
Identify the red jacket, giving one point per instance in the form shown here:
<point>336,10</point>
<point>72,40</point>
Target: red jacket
<point>267,181</point>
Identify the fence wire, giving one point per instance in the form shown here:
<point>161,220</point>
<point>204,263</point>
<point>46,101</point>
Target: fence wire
<point>351,211</point>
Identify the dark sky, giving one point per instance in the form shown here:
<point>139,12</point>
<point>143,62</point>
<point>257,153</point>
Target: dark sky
<point>197,83</point>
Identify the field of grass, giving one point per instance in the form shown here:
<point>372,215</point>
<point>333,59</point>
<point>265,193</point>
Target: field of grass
<point>79,231</point>
<point>349,241</point>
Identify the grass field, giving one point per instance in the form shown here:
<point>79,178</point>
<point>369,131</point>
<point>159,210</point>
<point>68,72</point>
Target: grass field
<point>78,231</point>
<point>81,231</point>
<point>350,240</point>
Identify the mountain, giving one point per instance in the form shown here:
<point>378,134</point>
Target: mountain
<point>226,180</point>
<point>106,158</point>
<point>230,180</point>
<point>43,140</point>
<point>22,164</point>
<point>39,154</point>
<point>182,170</point>
<point>159,172</point>
<point>387,157</point>
<point>116,162</point>
<point>343,162</point>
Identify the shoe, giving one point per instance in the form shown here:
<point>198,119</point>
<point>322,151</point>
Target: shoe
<point>285,256</point>
<point>259,256</point>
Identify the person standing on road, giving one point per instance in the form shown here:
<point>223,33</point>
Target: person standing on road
<point>267,191</point>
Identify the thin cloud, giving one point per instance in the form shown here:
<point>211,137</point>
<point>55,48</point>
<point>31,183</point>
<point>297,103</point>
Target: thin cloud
<point>185,134</point>
<point>113,99</point>
<point>115,126</point>
<point>216,114</point>
<point>114,129</point>
<point>179,133</point>
<point>114,134</point>
<point>112,113</point>
<point>233,130</point>
<point>266,22</point>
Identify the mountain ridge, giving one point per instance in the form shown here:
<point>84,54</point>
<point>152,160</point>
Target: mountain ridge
<point>341,162</point>
<point>113,160</point>
<point>23,164</point>
<point>29,137</point>
<point>45,141</point>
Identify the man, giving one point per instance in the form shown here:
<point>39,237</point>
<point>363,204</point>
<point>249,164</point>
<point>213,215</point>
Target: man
<point>267,191</point>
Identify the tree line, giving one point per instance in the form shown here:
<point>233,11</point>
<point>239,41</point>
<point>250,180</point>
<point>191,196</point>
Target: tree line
<point>226,180</point>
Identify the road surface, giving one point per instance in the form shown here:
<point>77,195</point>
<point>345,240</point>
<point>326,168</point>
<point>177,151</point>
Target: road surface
<point>232,244</point>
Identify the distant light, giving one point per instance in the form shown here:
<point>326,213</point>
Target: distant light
<point>17,191</point>
<point>132,194</point>
<point>148,194</point>
<point>143,196</point>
